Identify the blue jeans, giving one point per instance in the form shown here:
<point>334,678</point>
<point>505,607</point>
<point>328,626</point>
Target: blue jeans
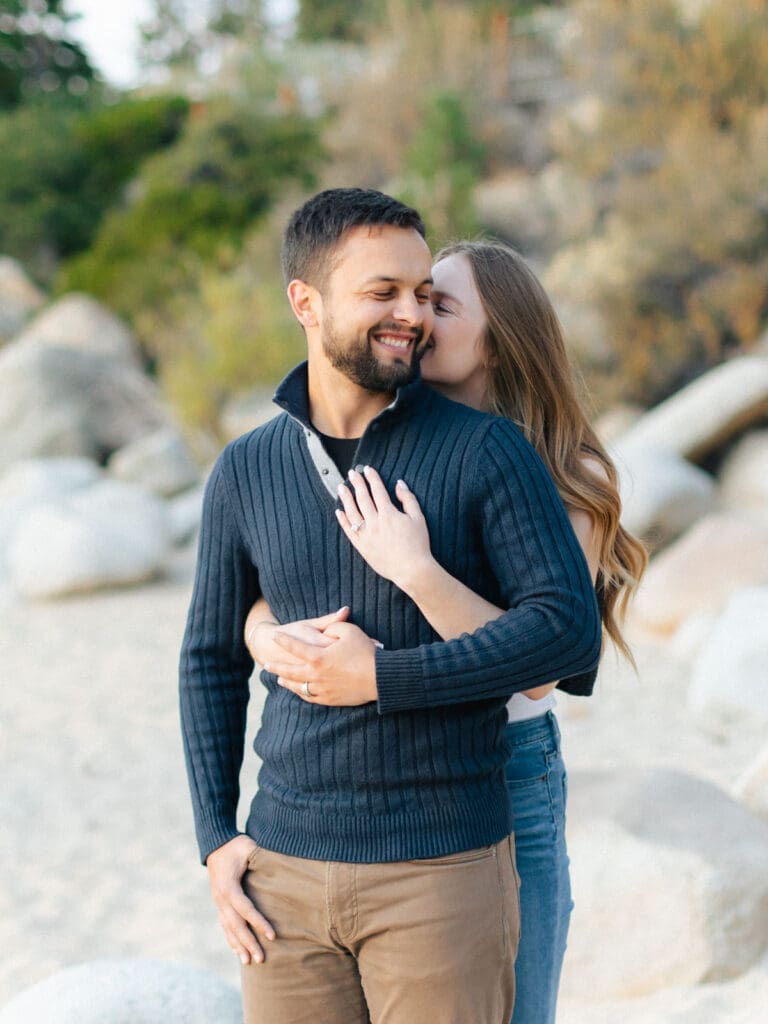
<point>536,784</point>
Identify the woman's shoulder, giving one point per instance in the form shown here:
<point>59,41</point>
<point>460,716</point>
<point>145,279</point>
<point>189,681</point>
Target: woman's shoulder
<point>594,465</point>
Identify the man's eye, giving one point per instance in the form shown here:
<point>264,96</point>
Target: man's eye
<point>422,298</point>
<point>383,295</point>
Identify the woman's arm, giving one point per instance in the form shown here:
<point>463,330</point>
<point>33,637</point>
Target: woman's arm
<point>396,545</point>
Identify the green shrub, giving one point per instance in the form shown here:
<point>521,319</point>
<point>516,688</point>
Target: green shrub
<point>231,329</point>
<point>62,169</point>
<point>443,164</point>
<point>337,19</point>
<point>199,196</point>
<point>37,56</point>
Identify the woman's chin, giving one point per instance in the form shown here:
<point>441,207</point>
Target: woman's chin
<point>426,365</point>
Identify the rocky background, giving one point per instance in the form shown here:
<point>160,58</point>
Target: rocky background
<point>100,496</point>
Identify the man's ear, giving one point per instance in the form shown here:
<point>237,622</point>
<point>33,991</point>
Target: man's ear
<point>304,299</point>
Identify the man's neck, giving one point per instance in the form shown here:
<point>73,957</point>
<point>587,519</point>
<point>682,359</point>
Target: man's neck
<point>337,406</point>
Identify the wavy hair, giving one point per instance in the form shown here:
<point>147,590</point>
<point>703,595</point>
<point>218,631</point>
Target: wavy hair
<point>532,383</point>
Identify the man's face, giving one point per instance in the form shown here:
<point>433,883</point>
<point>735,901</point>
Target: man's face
<point>375,306</point>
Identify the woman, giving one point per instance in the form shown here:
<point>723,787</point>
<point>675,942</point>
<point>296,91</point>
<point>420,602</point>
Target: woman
<point>497,345</point>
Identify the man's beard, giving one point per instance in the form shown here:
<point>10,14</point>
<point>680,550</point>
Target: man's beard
<point>358,362</point>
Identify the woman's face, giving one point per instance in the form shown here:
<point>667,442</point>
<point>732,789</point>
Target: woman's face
<point>454,359</point>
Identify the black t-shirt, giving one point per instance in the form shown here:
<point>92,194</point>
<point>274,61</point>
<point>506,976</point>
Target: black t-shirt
<point>342,451</point>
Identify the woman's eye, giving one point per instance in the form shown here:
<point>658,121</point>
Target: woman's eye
<point>440,308</point>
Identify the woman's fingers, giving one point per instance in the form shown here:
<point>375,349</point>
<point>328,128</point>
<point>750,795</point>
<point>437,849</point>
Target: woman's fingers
<point>343,520</point>
<point>378,490</point>
<point>408,500</point>
<point>363,497</point>
<point>351,510</point>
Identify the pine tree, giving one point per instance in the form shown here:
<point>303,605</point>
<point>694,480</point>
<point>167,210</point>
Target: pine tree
<point>37,57</point>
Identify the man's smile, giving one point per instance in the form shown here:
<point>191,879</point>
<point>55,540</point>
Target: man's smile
<point>395,341</point>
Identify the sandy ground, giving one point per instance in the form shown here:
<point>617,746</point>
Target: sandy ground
<point>97,852</point>
<point>97,855</point>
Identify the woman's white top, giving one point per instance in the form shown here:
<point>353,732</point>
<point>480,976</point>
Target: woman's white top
<point>520,708</point>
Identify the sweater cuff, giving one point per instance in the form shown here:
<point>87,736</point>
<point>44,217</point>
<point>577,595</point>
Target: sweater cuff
<point>214,827</point>
<point>399,680</point>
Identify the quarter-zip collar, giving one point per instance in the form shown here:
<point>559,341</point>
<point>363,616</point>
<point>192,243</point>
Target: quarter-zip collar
<point>292,395</point>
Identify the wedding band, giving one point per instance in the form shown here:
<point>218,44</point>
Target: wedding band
<point>305,690</point>
<point>357,526</point>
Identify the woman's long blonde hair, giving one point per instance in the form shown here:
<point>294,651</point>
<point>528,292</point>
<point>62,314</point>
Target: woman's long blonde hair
<point>531,382</point>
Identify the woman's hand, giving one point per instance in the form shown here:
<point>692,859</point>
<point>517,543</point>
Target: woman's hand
<point>395,544</point>
<point>260,634</point>
<point>340,675</point>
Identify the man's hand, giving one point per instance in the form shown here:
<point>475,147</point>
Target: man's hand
<point>260,635</point>
<point>341,675</point>
<point>239,918</point>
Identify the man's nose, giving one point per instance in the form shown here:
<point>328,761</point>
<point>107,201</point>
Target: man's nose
<point>409,310</point>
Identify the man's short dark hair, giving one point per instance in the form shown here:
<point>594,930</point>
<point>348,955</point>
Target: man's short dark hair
<point>316,228</point>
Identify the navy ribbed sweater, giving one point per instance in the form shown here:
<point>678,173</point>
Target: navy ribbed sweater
<point>419,774</point>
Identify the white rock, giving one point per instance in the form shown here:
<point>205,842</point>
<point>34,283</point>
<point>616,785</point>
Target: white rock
<point>697,574</point>
<point>692,11</point>
<point>744,476</point>
<point>661,493</point>
<point>580,115</point>
<point>688,638</point>
<point>730,674</point>
<point>670,881</point>
<point>569,200</point>
<point>511,204</point>
<point>59,401</point>
<point>185,512</point>
<point>19,298</point>
<point>751,788</point>
<point>242,413</point>
<point>616,421</point>
<point>42,479</point>
<point>715,407</point>
<point>127,992</point>
<point>34,482</point>
<point>741,1001</point>
<point>80,322</point>
<point>579,277</point>
<point>159,462</point>
<point>109,534</point>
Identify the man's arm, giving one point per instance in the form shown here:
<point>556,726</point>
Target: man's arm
<point>215,667</point>
<point>213,688</point>
<point>551,630</point>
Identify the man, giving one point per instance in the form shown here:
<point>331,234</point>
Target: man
<point>377,862</point>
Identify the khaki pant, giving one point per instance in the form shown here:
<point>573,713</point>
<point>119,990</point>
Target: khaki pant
<point>404,943</point>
